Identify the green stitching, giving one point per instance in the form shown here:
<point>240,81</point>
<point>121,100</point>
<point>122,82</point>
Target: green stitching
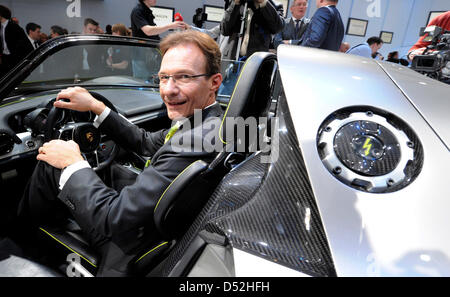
<point>67,246</point>
<point>150,251</point>
<point>229,103</point>
<point>172,183</point>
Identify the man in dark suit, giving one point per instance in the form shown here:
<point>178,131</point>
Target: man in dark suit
<point>189,80</point>
<point>34,36</point>
<point>326,30</point>
<point>263,20</point>
<point>295,26</point>
<point>93,60</point>
<point>13,41</point>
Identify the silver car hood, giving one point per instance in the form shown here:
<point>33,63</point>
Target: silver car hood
<point>404,233</point>
<point>430,97</point>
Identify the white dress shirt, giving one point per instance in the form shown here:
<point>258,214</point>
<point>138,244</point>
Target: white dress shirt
<point>33,42</point>
<point>5,47</point>
<point>71,169</point>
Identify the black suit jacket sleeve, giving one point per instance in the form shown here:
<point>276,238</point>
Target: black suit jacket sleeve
<point>269,18</point>
<point>231,22</point>
<point>105,214</point>
<point>318,28</point>
<point>16,40</point>
<point>131,137</point>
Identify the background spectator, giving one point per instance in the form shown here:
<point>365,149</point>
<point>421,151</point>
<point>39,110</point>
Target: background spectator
<point>56,31</point>
<point>13,41</point>
<point>93,60</point>
<point>261,22</point>
<point>143,24</point>
<point>295,26</point>
<point>394,58</point>
<point>34,36</point>
<point>44,38</point>
<point>345,46</point>
<point>368,49</point>
<point>119,57</point>
<point>326,29</point>
<point>108,29</point>
<point>90,26</point>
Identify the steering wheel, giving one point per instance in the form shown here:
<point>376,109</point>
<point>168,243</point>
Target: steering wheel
<point>84,134</point>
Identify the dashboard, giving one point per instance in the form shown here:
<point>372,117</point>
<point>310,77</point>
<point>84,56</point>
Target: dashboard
<point>23,121</point>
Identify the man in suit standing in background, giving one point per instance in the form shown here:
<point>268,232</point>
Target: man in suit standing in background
<point>13,41</point>
<point>326,30</point>
<point>295,26</point>
<point>34,36</point>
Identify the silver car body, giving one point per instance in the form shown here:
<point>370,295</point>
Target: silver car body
<point>403,233</point>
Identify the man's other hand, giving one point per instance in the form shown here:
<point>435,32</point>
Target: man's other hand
<point>79,99</point>
<point>178,25</point>
<point>59,153</point>
<point>416,52</point>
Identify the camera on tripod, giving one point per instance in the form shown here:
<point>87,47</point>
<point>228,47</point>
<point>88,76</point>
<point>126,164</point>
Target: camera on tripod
<point>435,60</point>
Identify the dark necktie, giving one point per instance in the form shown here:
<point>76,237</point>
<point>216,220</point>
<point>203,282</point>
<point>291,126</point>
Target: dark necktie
<point>298,24</point>
<point>36,45</point>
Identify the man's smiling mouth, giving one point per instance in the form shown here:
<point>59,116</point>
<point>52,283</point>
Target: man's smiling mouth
<point>176,103</point>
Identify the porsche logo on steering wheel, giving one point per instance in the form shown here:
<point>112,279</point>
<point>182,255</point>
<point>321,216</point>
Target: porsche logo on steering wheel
<point>90,136</point>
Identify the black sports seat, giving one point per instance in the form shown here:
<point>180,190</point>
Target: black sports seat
<point>188,193</point>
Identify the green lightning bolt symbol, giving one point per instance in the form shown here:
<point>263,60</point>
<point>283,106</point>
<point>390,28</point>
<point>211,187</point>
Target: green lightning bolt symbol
<point>367,145</point>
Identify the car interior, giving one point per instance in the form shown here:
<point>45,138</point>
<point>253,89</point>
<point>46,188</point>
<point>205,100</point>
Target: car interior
<point>27,120</point>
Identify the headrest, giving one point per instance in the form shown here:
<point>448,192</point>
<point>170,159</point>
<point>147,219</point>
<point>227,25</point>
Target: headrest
<point>251,95</point>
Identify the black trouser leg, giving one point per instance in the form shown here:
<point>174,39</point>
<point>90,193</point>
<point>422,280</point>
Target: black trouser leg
<point>40,205</point>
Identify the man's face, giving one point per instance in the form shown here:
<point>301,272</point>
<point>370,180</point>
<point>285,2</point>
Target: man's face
<point>376,47</point>
<point>182,98</point>
<point>150,2</point>
<point>53,34</point>
<point>90,29</point>
<point>298,9</point>
<point>35,35</point>
<point>344,47</point>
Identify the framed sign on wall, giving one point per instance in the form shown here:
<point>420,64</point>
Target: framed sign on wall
<point>432,15</point>
<point>213,13</point>
<point>357,27</point>
<point>163,15</point>
<point>386,36</point>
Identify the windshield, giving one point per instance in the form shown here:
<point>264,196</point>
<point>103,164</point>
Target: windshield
<point>96,64</point>
<point>119,65</point>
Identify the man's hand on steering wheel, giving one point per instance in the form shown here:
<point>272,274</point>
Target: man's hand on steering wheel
<point>80,100</point>
<point>86,138</point>
<point>59,153</point>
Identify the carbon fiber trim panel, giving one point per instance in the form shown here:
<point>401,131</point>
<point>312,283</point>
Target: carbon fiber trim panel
<point>268,210</point>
